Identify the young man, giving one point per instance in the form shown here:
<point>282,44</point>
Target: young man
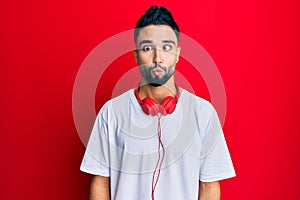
<point>157,141</point>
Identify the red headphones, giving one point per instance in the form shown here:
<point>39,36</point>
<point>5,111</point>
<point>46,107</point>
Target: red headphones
<point>151,107</point>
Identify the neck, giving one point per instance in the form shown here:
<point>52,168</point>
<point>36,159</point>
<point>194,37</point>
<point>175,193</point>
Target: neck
<point>157,93</point>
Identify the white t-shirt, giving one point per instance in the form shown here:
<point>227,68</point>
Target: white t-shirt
<point>124,146</point>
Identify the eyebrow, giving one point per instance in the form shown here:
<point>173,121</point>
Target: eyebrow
<point>145,42</point>
<point>169,41</point>
<point>150,41</point>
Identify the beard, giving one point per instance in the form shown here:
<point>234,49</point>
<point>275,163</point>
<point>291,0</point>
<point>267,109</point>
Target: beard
<point>155,80</point>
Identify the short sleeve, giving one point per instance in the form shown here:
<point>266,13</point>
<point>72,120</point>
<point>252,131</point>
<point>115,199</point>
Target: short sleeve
<point>96,157</point>
<point>215,160</point>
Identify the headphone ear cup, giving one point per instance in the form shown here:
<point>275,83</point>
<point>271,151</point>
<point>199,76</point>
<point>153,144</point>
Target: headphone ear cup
<point>168,105</point>
<point>150,106</point>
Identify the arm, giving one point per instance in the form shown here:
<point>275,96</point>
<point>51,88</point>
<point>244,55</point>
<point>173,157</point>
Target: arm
<point>210,191</point>
<point>100,188</point>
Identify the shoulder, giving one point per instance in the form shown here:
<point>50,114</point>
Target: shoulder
<point>122,98</point>
<point>190,98</point>
<point>203,111</point>
<point>117,103</point>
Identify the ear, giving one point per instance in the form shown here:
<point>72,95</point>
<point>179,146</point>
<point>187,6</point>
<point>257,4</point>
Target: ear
<point>177,54</point>
<point>135,54</point>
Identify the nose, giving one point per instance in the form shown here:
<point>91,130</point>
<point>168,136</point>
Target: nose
<point>157,56</point>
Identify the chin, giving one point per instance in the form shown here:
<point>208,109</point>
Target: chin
<point>155,84</point>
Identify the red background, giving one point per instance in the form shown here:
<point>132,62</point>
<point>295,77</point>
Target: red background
<point>43,43</point>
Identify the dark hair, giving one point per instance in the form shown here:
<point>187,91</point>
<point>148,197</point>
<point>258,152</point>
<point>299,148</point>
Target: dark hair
<point>156,15</point>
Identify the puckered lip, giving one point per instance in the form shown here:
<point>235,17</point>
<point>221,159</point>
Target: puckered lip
<point>157,70</point>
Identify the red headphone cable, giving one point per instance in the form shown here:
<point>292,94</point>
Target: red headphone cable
<point>159,161</point>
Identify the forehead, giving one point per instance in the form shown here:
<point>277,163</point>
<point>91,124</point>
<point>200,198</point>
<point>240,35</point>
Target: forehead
<point>156,33</point>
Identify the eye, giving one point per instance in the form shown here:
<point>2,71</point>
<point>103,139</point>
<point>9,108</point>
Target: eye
<point>147,48</point>
<point>167,47</point>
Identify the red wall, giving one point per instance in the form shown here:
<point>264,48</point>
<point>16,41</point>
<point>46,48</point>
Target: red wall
<point>255,45</point>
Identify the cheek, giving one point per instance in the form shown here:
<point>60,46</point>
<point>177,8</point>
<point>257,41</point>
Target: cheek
<point>143,58</point>
<point>170,61</point>
<point>169,57</point>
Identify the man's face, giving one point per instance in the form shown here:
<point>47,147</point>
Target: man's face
<point>157,53</point>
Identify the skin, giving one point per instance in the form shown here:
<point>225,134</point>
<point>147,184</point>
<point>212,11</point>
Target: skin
<point>100,188</point>
<point>210,191</point>
<point>156,45</point>
<point>164,51</point>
